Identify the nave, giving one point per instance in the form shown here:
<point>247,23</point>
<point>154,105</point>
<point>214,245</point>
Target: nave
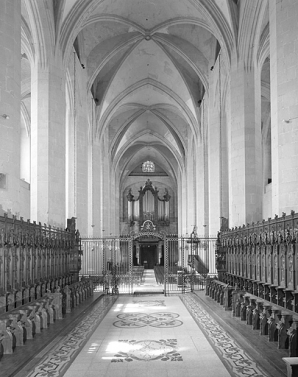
<point>150,334</point>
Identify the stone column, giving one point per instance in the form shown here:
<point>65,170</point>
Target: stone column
<point>203,172</point>
<point>94,190</point>
<point>10,104</point>
<point>245,200</point>
<point>201,176</point>
<point>183,226</point>
<point>48,144</point>
<point>105,194</point>
<point>214,154</point>
<point>191,178</point>
<point>284,104</point>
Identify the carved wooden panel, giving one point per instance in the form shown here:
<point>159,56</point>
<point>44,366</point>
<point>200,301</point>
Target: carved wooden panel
<point>253,262</point>
<point>240,261</point>
<point>263,264</point>
<point>258,263</point>
<point>233,270</point>
<point>244,262</point>
<point>248,262</point>
<point>282,266</point>
<point>269,264</point>
<point>290,267</point>
<point>275,265</point>
<point>27,253</point>
<point>237,257</point>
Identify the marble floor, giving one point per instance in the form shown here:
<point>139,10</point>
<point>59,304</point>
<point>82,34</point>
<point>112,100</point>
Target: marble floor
<point>149,334</point>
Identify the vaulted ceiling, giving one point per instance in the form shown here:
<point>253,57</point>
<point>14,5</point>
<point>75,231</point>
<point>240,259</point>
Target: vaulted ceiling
<point>148,66</point>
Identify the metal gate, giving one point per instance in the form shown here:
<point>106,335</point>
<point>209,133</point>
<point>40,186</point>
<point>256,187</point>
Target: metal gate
<point>187,262</point>
<point>108,261</point>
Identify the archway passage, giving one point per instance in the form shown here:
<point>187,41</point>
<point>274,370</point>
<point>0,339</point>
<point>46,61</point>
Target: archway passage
<point>148,255</point>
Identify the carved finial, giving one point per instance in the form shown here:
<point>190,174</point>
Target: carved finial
<point>166,196</point>
<point>130,196</point>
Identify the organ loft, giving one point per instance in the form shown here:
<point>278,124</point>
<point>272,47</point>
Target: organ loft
<point>148,188</point>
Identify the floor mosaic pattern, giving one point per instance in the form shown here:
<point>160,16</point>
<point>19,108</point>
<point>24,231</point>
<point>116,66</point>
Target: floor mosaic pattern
<point>119,338</point>
<point>136,320</point>
<point>147,350</point>
<point>238,362</point>
<point>149,303</point>
<point>62,354</point>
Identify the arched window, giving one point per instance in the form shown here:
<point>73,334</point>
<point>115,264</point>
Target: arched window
<point>148,167</point>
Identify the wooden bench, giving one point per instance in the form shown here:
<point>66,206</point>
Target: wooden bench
<point>23,323</point>
<point>280,325</point>
<point>292,366</point>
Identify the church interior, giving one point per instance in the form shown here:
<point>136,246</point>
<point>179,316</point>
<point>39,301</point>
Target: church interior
<point>148,188</point>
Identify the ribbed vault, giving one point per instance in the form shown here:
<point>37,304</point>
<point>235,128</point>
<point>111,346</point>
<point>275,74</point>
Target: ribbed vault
<point>147,67</point>
<point>147,71</point>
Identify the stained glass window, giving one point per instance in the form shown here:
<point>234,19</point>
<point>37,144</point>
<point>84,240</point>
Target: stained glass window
<point>148,167</point>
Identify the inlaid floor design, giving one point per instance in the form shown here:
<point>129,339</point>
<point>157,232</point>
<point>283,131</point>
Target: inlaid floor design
<point>164,343</point>
<point>237,361</point>
<point>144,303</point>
<point>147,350</point>
<point>56,361</point>
<point>142,319</point>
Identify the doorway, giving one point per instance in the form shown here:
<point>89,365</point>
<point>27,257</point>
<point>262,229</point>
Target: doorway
<point>148,256</point>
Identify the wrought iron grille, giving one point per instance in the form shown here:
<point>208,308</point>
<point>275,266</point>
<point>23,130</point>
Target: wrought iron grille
<point>186,262</point>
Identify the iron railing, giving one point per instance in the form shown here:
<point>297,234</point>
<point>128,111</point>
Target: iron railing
<point>112,259</point>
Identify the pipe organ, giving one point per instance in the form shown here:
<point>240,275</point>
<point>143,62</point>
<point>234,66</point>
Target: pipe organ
<point>149,205</point>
